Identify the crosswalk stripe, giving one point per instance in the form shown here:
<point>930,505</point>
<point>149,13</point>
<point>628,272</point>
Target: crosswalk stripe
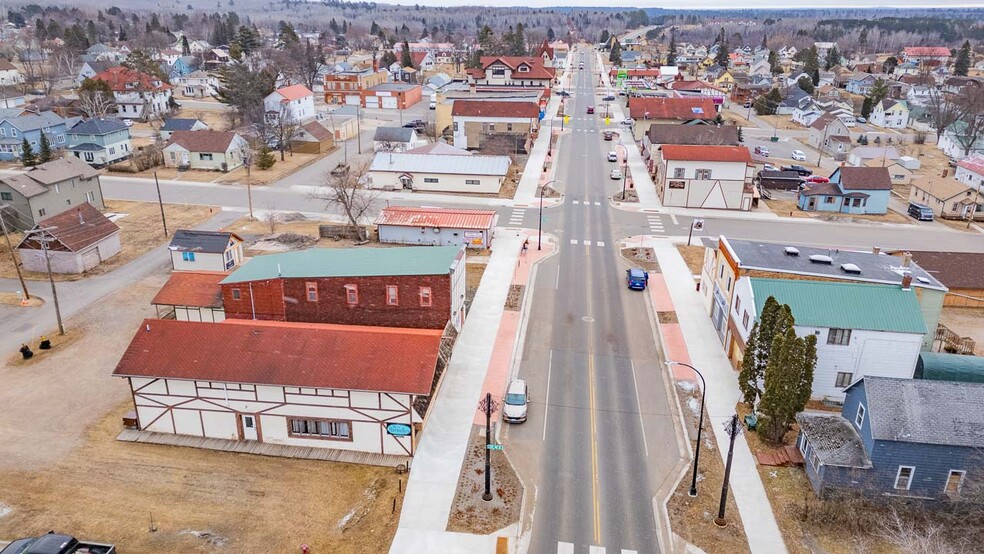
<point>587,243</point>
<point>625,551</point>
<point>565,548</point>
<point>596,550</point>
<point>573,241</point>
<point>597,203</point>
<point>576,202</point>
<point>600,243</point>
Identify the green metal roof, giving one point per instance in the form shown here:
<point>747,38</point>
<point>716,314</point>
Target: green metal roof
<point>844,305</point>
<point>347,262</point>
<point>936,366</point>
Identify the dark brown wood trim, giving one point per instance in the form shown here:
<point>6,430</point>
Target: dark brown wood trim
<point>133,397</point>
<point>239,426</point>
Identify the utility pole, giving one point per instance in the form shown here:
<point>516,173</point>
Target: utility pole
<point>3,223</point>
<point>44,239</point>
<point>733,428</point>
<point>488,406</point>
<point>160,202</point>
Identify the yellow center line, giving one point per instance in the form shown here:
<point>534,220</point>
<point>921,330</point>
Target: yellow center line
<point>594,453</point>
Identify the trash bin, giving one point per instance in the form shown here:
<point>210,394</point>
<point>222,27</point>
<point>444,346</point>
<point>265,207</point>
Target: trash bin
<point>751,421</point>
<point>773,139</point>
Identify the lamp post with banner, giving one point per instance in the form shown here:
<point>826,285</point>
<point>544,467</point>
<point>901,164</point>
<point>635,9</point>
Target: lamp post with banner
<point>696,225</point>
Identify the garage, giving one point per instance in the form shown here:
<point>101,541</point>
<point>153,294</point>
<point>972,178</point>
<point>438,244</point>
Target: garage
<point>372,101</point>
<point>90,259</point>
<point>353,100</point>
<point>389,102</point>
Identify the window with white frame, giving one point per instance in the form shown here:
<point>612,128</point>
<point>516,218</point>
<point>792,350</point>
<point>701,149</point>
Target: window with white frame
<point>352,294</point>
<point>954,482</point>
<point>392,295</point>
<point>903,479</point>
<point>859,416</point>
<point>839,337</point>
<point>804,444</point>
<point>425,297</point>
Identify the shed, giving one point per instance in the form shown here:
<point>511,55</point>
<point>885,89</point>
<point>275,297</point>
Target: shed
<point>82,239</point>
<point>191,296</point>
<point>935,366</point>
<point>436,226</point>
<point>196,250</point>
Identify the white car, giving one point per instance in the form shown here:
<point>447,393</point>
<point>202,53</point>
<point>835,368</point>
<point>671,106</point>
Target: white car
<point>613,156</point>
<point>616,174</point>
<point>769,167</point>
<point>798,155</point>
<point>627,122</point>
<point>514,408</point>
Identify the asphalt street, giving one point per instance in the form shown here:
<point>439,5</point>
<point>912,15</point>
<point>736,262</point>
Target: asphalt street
<point>599,441</point>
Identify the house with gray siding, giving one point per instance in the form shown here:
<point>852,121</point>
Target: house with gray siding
<point>897,438</point>
<point>13,131</point>
<point>194,250</point>
<point>48,190</point>
<point>100,142</point>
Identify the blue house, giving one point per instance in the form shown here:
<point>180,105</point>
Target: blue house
<point>181,67</point>
<point>851,190</point>
<point>908,438</point>
<point>13,131</point>
<point>100,142</point>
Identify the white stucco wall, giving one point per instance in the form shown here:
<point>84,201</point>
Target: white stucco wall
<point>445,182</point>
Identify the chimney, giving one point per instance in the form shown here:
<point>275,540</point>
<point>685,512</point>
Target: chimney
<point>907,281</point>
<point>906,259</point>
<point>875,250</point>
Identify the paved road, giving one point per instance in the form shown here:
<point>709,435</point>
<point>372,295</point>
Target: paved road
<point>599,440</point>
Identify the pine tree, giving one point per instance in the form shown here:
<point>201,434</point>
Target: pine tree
<point>759,347</point>
<point>749,376</point>
<point>605,36</point>
<point>551,36</point>
<point>765,41</point>
<point>28,158</point>
<point>44,152</point>
<point>962,64</point>
<point>811,64</point>
<point>833,58</point>
<point>265,159</point>
<point>671,55</point>
<point>519,41</point>
<point>863,37</point>
<point>741,136</point>
<point>616,54</point>
<point>879,90</point>
<point>405,59</point>
<point>722,59</point>
<point>774,66</point>
<point>788,380</point>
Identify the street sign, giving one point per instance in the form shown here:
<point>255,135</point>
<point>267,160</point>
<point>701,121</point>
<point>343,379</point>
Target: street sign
<point>493,446</point>
<point>398,429</point>
<point>698,224</point>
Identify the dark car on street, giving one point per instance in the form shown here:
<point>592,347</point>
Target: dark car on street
<point>804,172</point>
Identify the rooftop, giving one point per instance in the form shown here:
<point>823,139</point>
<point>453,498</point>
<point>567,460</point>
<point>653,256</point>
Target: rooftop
<point>98,127</point>
<point>179,124</point>
<point>436,217</point>
<point>943,188</point>
<point>74,229</point>
<point>683,109</point>
<point>393,134</point>
<point>348,262</point>
<point>667,133</point>
<point>191,288</point>
<point>489,108</point>
<point>394,87</point>
<point>834,440</point>
<point>286,354</point>
<point>294,92</point>
<point>205,140</point>
<point>438,163</point>
<point>864,178</point>
<point>973,163</point>
<point>194,240</point>
<point>441,148</point>
<point>844,305</point>
<point>875,268</point>
<point>925,412</point>
<point>956,270</point>
<point>706,153</point>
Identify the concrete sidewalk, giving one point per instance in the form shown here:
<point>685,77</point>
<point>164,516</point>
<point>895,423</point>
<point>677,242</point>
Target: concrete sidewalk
<point>437,461</point>
<point>529,183</point>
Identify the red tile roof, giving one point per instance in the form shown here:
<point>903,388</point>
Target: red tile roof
<point>119,77</point>
<point>482,108</point>
<point>683,109</point>
<point>934,51</point>
<point>975,164</point>
<point>693,153</point>
<point>418,57</point>
<point>285,354</point>
<point>74,229</point>
<point>206,140</point>
<point>294,92</point>
<point>192,288</point>
<point>436,217</point>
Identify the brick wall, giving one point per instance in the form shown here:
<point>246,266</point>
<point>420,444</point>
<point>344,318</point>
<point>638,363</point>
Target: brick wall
<point>287,300</point>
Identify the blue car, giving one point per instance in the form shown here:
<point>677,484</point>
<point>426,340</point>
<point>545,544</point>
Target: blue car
<point>636,278</point>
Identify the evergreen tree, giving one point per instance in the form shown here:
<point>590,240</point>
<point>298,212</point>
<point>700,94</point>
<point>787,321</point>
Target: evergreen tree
<point>605,36</point>
<point>615,56</point>
<point>806,84</point>
<point>879,90</point>
<point>962,64</point>
<point>518,47</point>
<point>406,60</point>
<point>811,63</point>
<point>774,66</point>
<point>768,104</point>
<point>265,159</point>
<point>550,35</point>
<point>287,35</point>
<point>44,152</point>
<point>741,136</point>
<point>765,41</point>
<point>28,158</point>
<point>863,37</point>
<point>759,348</point>
<point>866,107</point>
<point>374,29</point>
<point>185,47</point>
<point>833,58</point>
<point>890,64</point>
<point>388,58</point>
<point>724,50</point>
<point>788,379</point>
<point>671,55</point>
<point>40,30</point>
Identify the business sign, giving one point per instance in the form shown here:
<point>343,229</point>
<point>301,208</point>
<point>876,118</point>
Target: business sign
<point>398,429</point>
<point>493,446</point>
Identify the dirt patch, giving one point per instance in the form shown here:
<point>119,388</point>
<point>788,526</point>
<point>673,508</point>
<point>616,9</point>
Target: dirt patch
<point>630,196</point>
<point>511,182</point>
<point>641,257</point>
<point>966,322</point>
<point>17,299</point>
<point>667,317</point>
<point>960,224</point>
<point>470,513</point>
<point>693,256</point>
<point>693,517</point>
<point>515,298</point>
<point>297,232</point>
<point>58,344</point>
<point>788,208</point>
<point>473,277</point>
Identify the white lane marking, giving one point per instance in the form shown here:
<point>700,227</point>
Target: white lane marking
<point>576,202</point>
<point>546,395</point>
<point>625,551</point>
<point>600,243</point>
<point>557,280</point>
<point>573,241</point>
<point>565,548</point>
<point>596,550</point>
<point>597,203</point>
<point>673,219</point>
<point>642,425</point>
<point>587,243</point>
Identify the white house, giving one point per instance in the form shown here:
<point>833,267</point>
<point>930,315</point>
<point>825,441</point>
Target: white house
<point>861,329</point>
<point>82,237</point>
<point>208,150</point>
<point>807,114</point>
<point>395,139</point>
<point>197,84</point>
<point>437,226</point>
<point>698,176</point>
<point>9,75</point>
<point>328,386</point>
<point>954,142</point>
<point>438,172</point>
<point>295,100</point>
<point>890,114</point>
<point>970,171</point>
<point>138,95</point>
<point>194,250</point>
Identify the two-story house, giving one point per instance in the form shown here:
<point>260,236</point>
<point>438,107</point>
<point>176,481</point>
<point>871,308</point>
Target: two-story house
<point>47,190</point>
<point>897,439</point>
<point>197,84</point>
<point>295,102</point>
<point>851,190</point>
<point>829,134</point>
<point>90,69</point>
<point>890,114</point>
<point>936,55</point>
<point>693,176</point>
<point>646,111</point>
<point>668,133</point>
<point>195,250</point>
<point>420,287</point>
<point>511,71</point>
<point>475,122</point>
<point>861,329</point>
<point>138,95</point>
<point>861,83</point>
<point>970,171</point>
<point>9,74</point>
<point>728,259</point>
<point>100,142</point>
<point>13,131</point>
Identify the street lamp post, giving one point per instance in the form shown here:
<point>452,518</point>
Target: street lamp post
<point>625,164</point>
<point>700,424</point>
<point>539,224</point>
<point>734,427</point>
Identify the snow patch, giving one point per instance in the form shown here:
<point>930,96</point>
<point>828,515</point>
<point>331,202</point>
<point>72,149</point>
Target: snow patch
<point>686,385</point>
<point>4,509</point>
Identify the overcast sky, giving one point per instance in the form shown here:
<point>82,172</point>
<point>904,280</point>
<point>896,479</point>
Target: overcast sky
<point>712,4</point>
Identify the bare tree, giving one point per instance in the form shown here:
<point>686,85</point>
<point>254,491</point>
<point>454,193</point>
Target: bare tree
<point>909,536</point>
<point>283,129</point>
<point>942,112</point>
<point>971,129</point>
<point>37,71</point>
<point>343,189</point>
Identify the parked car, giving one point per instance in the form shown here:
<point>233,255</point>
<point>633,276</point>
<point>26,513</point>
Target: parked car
<point>515,407</point>
<point>609,135</point>
<point>804,172</point>
<point>627,122</point>
<point>432,105</point>
<point>798,155</point>
<point>817,179</point>
<point>747,104</point>
<point>54,543</point>
<point>616,174</point>
<point>762,151</point>
<point>861,120</point>
<point>636,278</point>
<point>564,93</point>
<point>609,98</point>
<point>416,124</point>
<point>590,109</point>
<point>769,167</point>
<point>920,212</point>
<point>613,156</point>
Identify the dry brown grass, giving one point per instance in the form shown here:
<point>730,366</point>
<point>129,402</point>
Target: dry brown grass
<point>140,231</point>
<point>16,299</point>
<point>281,169</point>
<point>693,256</point>
<point>110,490</point>
<point>213,117</point>
<point>58,344</point>
<point>960,224</point>
<point>788,208</point>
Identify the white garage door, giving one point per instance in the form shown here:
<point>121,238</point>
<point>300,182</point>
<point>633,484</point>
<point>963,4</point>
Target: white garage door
<point>389,102</point>
<point>372,101</point>
<point>353,100</point>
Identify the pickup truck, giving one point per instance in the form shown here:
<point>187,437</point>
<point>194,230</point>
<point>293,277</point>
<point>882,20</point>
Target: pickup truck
<point>636,278</point>
<point>54,543</point>
<point>804,172</point>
